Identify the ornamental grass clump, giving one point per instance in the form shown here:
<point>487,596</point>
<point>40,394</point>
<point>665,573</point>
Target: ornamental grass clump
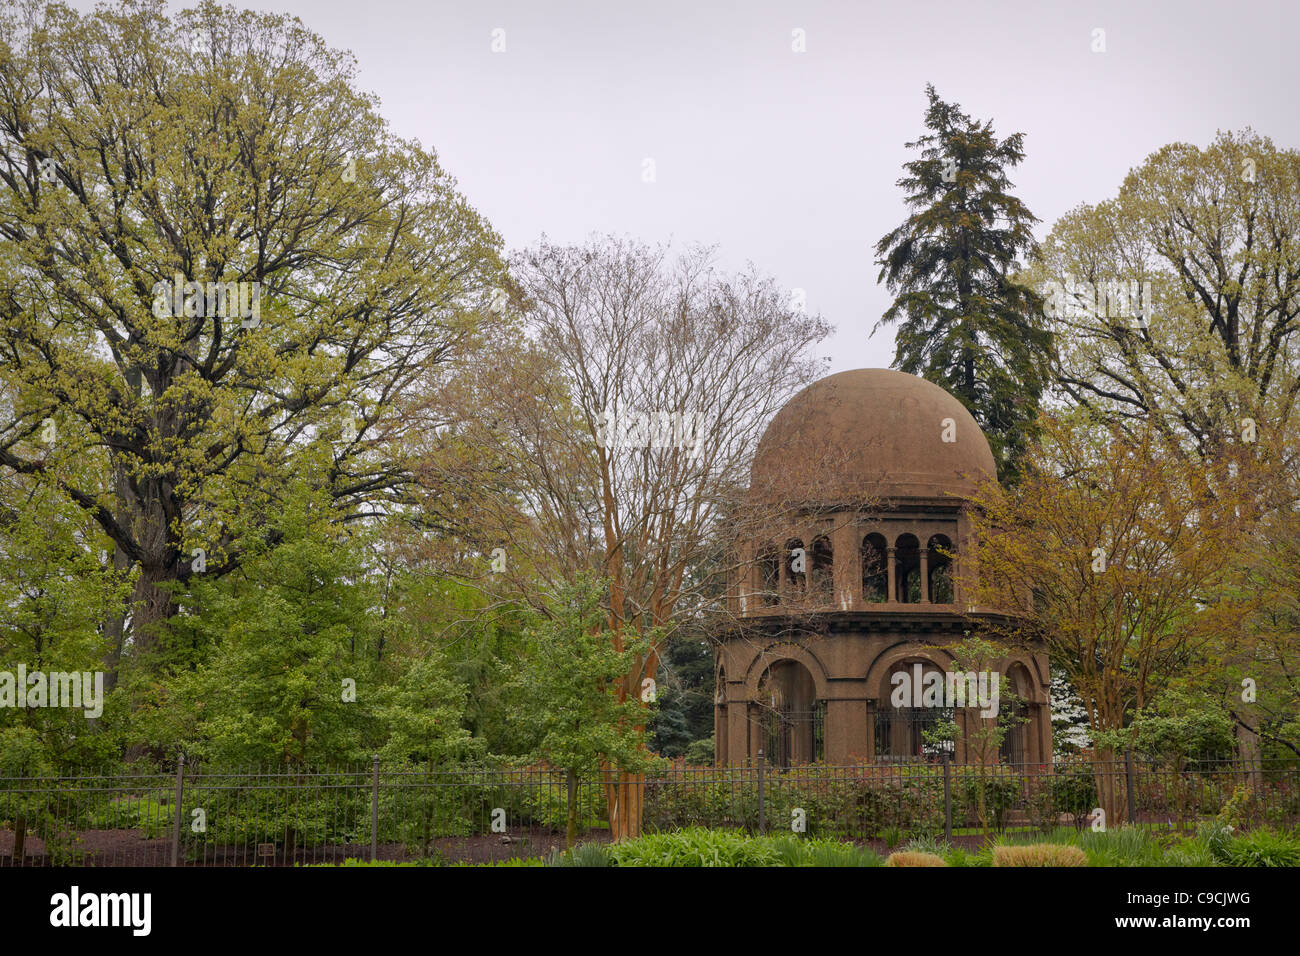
<point>1039,854</point>
<point>909,858</point>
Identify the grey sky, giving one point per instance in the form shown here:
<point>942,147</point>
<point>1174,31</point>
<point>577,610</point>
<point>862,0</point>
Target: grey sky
<point>790,159</point>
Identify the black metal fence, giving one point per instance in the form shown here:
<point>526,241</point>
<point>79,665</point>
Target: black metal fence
<point>196,816</point>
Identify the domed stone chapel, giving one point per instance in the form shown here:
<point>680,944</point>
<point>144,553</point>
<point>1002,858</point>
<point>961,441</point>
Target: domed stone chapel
<point>848,575</point>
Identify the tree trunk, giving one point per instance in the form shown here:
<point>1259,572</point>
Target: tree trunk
<point>571,824</point>
<point>1112,787</point>
<point>623,794</point>
<point>152,604</point>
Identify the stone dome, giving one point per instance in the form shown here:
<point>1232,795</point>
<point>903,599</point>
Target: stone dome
<point>870,434</point>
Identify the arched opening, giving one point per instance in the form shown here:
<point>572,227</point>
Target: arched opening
<point>1015,711</point>
<point>875,569</point>
<point>911,722</point>
<point>793,719</point>
<point>769,575</point>
<point>796,569</point>
<point>907,569</point>
<point>939,561</point>
<point>823,568</point>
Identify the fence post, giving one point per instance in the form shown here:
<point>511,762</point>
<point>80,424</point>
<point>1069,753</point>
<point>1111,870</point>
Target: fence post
<point>947,798</point>
<point>176,824</point>
<point>762,815</point>
<point>1132,790</point>
<point>374,810</point>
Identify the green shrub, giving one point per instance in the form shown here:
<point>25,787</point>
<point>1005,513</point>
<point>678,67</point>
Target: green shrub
<point>148,814</point>
<point>1124,846</point>
<point>699,753</point>
<point>1002,792</point>
<point>928,845</point>
<point>696,847</point>
<point>700,847</point>
<point>583,854</point>
<point>1074,791</point>
<point>959,857</point>
<point>1191,851</point>
<point>1263,847</point>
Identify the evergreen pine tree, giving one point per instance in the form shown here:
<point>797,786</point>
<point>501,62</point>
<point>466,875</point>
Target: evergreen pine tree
<point>963,321</point>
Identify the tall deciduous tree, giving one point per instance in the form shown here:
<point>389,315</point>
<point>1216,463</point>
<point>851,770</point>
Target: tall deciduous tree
<point>1113,549</point>
<point>139,152</point>
<point>624,422</point>
<point>1216,234</point>
<point>964,320</point>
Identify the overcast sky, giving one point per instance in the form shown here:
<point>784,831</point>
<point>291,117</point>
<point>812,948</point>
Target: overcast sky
<point>787,159</point>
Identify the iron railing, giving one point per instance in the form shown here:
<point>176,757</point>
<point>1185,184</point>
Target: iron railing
<point>205,816</point>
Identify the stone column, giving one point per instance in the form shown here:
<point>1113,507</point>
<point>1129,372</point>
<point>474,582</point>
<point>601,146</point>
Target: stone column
<point>737,730</point>
<point>755,728</point>
<point>846,731</point>
<point>720,756</point>
<point>925,575</point>
<point>893,594</point>
<point>871,729</point>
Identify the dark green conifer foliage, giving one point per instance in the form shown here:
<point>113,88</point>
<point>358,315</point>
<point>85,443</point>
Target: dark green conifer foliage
<point>963,321</point>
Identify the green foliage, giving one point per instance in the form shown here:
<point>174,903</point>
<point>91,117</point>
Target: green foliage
<point>696,847</point>
<point>899,801</point>
<point>701,847</point>
<point>150,814</point>
<point>1178,726</point>
<point>569,679</point>
<point>1192,851</point>
<point>683,716</point>
<point>57,593</point>
<point>699,753</point>
<point>1074,791</point>
<point>584,854</point>
<point>928,844</point>
<point>1262,847</point>
<point>1122,846</point>
<point>180,428</point>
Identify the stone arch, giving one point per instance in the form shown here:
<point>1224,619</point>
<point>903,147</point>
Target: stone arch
<point>880,668</point>
<point>1035,683</point>
<point>900,733</point>
<point>1027,737</point>
<point>790,714</point>
<point>765,658</point>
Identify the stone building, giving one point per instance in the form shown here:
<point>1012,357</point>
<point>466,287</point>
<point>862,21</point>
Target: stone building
<point>857,526</point>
